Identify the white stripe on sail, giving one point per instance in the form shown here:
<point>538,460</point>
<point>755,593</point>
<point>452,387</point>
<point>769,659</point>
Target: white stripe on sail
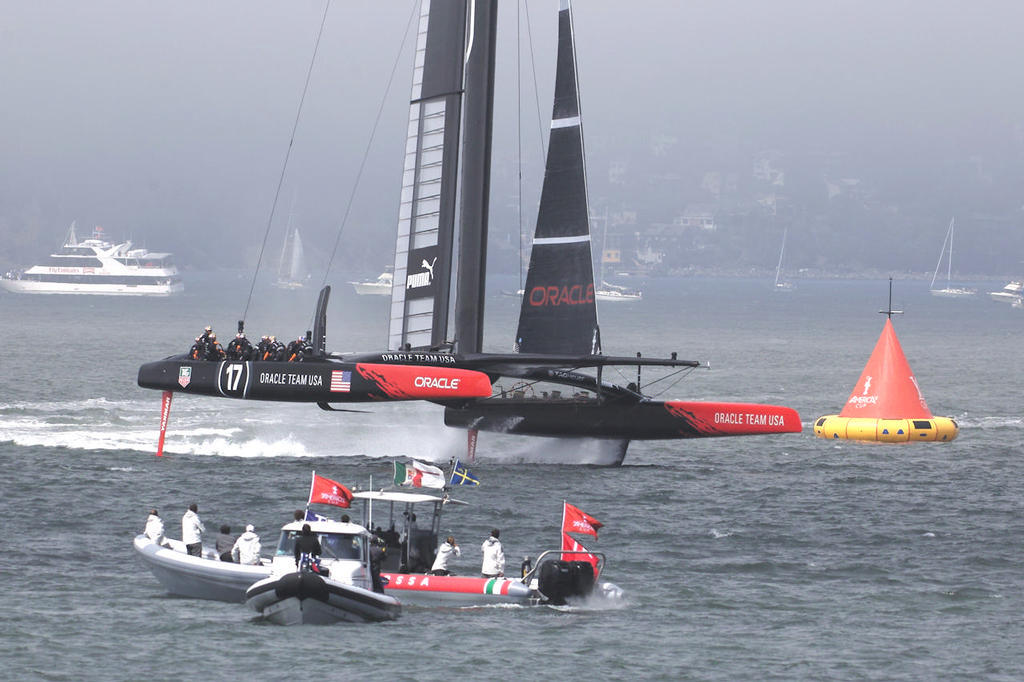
<point>567,122</point>
<point>562,240</point>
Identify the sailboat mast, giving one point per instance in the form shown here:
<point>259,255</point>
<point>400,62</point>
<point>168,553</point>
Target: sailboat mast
<point>782,250</point>
<point>421,294</point>
<point>476,176</point>
<point>949,263</point>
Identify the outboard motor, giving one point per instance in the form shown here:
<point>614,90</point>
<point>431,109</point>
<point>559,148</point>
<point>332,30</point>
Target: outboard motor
<point>560,581</point>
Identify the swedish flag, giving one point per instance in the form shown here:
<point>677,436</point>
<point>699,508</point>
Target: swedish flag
<point>462,476</point>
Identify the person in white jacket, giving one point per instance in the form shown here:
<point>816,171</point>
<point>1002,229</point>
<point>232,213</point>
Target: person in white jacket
<point>155,527</point>
<point>445,553</point>
<point>494,557</point>
<point>246,549</point>
<point>192,530</point>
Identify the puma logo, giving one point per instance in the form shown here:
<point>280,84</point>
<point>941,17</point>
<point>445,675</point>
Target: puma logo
<point>429,266</point>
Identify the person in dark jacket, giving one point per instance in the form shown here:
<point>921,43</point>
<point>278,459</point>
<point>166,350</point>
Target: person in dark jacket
<point>306,543</point>
<point>378,552</point>
<point>214,351</point>
<point>225,541</point>
<point>239,348</point>
<point>296,350</point>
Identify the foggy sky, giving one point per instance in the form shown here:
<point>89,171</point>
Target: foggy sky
<point>169,122</point>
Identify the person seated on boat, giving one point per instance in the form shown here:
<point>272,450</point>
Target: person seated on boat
<point>239,348</point>
<point>445,553</point>
<point>214,351</point>
<point>277,349</point>
<point>296,350</point>
<point>494,558</point>
<point>306,543</point>
<point>155,527</point>
<point>263,349</point>
<point>203,341</point>
<point>197,351</point>
<point>192,531</point>
<point>246,549</point>
<point>225,541</point>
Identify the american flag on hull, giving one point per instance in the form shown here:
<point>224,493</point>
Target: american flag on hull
<point>341,381</point>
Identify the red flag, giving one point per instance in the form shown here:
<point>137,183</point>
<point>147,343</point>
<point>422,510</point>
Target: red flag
<point>326,491</point>
<point>574,520</point>
<point>165,410</point>
<point>570,545</point>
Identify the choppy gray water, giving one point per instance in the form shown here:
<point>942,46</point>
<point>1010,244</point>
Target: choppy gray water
<point>785,558</point>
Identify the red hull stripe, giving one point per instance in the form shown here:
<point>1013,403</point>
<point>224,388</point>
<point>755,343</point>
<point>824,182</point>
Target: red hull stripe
<point>453,583</point>
<point>736,419</point>
<point>425,382</point>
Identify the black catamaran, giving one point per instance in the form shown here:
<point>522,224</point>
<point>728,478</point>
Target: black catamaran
<point>435,339</point>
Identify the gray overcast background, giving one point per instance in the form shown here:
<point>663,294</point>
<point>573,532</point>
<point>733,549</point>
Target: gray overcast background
<point>169,121</point>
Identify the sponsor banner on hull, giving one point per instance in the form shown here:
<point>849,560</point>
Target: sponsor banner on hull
<point>736,419</point>
<point>424,382</point>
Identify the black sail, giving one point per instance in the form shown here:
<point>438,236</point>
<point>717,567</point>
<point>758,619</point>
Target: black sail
<point>559,313</point>
<point>426,223</point>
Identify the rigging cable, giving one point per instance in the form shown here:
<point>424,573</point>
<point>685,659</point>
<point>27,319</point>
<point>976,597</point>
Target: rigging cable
<point>284,166</point>
<point>519,117</point>
<point>369,145</point>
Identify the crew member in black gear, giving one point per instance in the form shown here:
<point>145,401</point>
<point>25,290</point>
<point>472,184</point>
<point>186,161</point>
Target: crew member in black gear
<point>239,348</point>
<point>263,349</point>
<point>214,351</point>
<point>296,350</point>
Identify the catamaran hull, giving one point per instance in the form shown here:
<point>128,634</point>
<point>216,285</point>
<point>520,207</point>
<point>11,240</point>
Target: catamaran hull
<point>197,577</point>
<point>310,599</point>
<point>649,420</point>
<point>313,381</point>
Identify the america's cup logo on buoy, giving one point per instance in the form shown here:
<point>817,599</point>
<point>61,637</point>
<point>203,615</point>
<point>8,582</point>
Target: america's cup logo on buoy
<point>184,376</point>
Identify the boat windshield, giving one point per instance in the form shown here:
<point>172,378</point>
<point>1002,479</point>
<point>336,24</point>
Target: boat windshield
<point>333,545</point>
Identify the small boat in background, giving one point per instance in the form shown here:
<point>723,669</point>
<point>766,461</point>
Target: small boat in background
<point>613,292</point>
<point>948,291</point>
<point>380,287</point>
<point>292,272</point>
<point>781,284</point>
<point>98,266</point>
<point>1010,293</point>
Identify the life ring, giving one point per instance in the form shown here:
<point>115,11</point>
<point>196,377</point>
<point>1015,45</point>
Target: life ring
<point>834,427</point>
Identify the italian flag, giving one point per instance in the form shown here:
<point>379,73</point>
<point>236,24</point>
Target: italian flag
<point>418,475</point>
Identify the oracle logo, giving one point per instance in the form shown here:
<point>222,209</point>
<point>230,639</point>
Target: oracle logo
<point>577,294</point>
<point>437,382</point>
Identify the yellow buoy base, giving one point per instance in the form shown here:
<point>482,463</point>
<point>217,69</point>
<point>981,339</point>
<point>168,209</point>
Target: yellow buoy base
<point>886,430</point>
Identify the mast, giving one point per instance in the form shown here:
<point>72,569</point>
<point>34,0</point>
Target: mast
<point>296,274</point>
<point>426,222</point>
<point>778,268</point>
<point>949,262</point>
<point>476,176</point>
